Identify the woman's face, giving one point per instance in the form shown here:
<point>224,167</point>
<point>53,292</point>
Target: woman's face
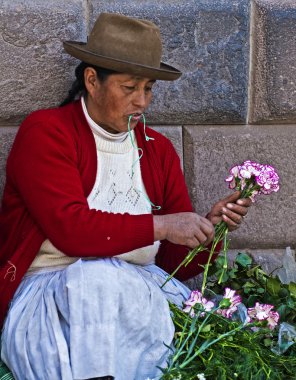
<point>111,102</point>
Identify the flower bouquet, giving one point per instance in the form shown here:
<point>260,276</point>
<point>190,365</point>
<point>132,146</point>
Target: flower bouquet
<point>235,335</point>
<point>251,179</point>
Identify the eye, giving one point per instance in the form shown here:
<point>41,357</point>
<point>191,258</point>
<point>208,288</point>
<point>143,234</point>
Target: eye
<point>148,89</point>
<point>130,88</point>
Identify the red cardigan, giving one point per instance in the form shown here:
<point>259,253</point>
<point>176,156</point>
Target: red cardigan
<point>51,170</point>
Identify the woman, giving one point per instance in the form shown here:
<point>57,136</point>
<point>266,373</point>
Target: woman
<point>92,202</point>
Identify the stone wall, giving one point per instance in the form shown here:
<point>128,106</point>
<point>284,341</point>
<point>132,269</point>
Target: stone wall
<point>236,99</point>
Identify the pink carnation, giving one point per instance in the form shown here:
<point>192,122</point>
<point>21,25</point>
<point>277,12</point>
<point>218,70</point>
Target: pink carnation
<point>268,180</point>
<point>229,303</point>
<point>196,297</point>
<point>263,312</point>
<point>253,178</point>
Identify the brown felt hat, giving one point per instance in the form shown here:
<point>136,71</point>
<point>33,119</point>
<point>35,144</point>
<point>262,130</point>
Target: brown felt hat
<point>126,45</point>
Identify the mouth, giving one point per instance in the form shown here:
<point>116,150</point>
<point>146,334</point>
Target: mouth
<point>135,116</point>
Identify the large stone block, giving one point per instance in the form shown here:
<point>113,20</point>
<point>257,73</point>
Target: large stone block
<point>7,135</point>
<point>209,153</point>
<point>35,71</point>
<point>273,84</point>
<point>174,134</point>
<point>208,41</point>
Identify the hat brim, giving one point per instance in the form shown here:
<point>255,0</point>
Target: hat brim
<point>79,51</point>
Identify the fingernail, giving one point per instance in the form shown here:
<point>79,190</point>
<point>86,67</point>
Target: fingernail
<point>229,205</point>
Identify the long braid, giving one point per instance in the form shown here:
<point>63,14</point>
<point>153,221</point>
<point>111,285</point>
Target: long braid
<point>78,87</point>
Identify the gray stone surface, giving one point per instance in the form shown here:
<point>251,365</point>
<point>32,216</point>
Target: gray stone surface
<point>174,134</point>
<point>209,153</point>
<point>271,261</point>
<point>35,71</point>
<point>273,84</point>
<point>208,41</point>
<point>7,135</point>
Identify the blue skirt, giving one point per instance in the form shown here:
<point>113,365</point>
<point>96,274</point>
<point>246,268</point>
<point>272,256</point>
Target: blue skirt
<point>94,318</point>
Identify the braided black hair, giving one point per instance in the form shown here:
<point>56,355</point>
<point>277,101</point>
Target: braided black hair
<point>78,86</point>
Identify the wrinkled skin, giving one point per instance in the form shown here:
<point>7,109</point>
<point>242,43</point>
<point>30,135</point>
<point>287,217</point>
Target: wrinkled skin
<point>191,230</point>
<point>231,210</point>
<point>110,103</point>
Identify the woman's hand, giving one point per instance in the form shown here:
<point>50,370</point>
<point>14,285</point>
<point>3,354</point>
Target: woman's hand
<point>231,210</point>
<point>185,228</point>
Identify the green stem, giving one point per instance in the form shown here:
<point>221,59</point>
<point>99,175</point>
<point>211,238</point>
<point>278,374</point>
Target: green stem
<point>221,232</point>
<point>221,229</point>
<point>190,333</point>
<point>190,256</point>
<point>205,347</point>
<point>225,250</point>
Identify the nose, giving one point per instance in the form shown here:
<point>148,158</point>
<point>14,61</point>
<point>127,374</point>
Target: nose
<point>141,99</point>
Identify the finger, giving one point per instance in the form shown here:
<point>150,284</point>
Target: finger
<point>237,209</point>
<point>232,198</point>
<point>199,239</point>
<point>192,243</point>
<point>205,227</point>
<point>215,219</point>
<point>206,224</point>
<point>234,215</point>
<point>200,236</point>
<point>209,232</point>
<point>246,202</point>
<point>231,224</point>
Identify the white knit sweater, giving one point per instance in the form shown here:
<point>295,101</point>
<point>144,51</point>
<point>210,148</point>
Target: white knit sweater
<point>118,188</point>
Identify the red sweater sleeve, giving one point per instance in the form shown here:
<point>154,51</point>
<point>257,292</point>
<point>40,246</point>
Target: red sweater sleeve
<point>44,170</point>
<point>177,200</point>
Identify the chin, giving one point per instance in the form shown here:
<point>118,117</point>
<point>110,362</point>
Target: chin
<point>133,125</point>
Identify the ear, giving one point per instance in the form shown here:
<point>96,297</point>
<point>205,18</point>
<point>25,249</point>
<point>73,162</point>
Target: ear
<point>91,80</point>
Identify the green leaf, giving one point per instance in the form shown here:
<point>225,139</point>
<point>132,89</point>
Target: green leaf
<point>267,342</point>
<point>283,311</point>
<point>273,285</point>
<point>248,284</point>
<point>252,272</point>
<point>284,293</point>
<point>235,285</point>
<point>232,272</point>
<point>243,259</point>
<point>206,328</point>
<point>292,288</point>
<point>291,303</point>
<point>219,261</point>
<point>252,300</point>
<point>225,277</point>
